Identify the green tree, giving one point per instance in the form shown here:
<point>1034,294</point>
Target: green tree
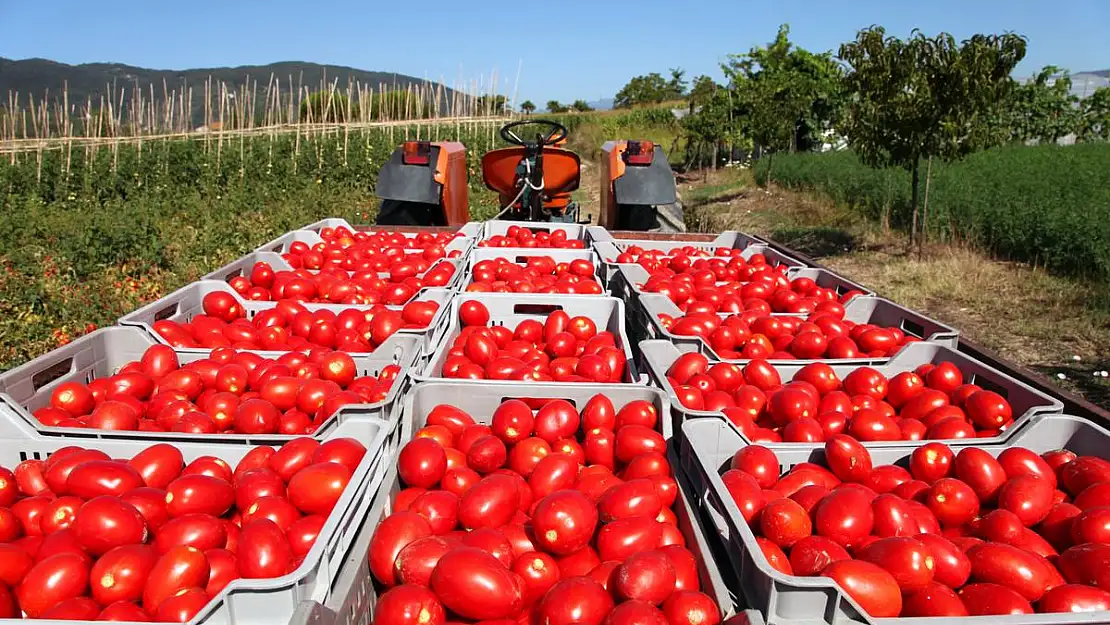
<point>327,107</point>
<point>1095,122</point>
<point>792,95</point>
<point>581,106</point>
<point>1044,109</point>
<point>701,92</point>
<point>641,90</point>
<point>527,107</point>
<point>719,121</point>
<point>554,106</point>
<point>676,86</point>
<point>926,97</point>
<point>491,104</point>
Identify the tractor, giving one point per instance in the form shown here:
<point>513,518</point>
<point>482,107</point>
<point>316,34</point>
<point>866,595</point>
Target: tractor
<point>425,183</point>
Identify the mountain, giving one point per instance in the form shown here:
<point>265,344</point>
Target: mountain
<point>36,77</point>
<point>604,104</point>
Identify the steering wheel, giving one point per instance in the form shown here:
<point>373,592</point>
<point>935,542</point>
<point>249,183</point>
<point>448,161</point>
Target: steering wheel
<point>557,133</point>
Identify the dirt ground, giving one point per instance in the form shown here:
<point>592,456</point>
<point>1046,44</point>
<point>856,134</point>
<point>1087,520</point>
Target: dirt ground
<point>1058,326</point>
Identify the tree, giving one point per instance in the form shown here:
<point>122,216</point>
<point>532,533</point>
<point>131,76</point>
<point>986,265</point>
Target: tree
<point>527,107</point>
<point>491,104</point>
<point>641,90</point>
<point>327,107</point>
<point>581,106</point>
<point>791,94</point>
<point>720,120</point>
<point>926,97</point>
<point>701,92</point>
<point>553,106</point>
<point>1043,109</point>
<point>676,86</point>
<point>1095,123</point>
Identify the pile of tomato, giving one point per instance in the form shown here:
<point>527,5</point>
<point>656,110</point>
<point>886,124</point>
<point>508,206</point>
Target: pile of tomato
<point>554,517</point>
<point>930,402</point>
<point>384,239</point>
<point>289,326</point>
<point>755,333</point>
<point>365,251</point>
<point>948,534</point>
<point>516,236</point>
<point>657,259</point>
<point>87,537</point>
<point>539,274</point>
<point>736,285</point>
<point>227,392</point>
<point>338,286</point>
<point>561,349</point>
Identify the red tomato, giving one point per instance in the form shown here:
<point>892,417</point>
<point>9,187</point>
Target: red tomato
<point>564,522</point>
<point>577,600</point>
<point>909,561</point>
<point>1074,598</point>
<point>784,522</point>
<point>847,458</point>
<point>491,502</point>
<point>870,586</point>
<point>409,605</point>
<point>263,552</point>
<point>981,471</point>
<point>52,580</point>
<point>475,585</point>
<point>810,555</point>
<point>316,489</point>
<point>986,599</point>
<point>934,600</point>
<point>121,574</point>
<point>393,534</point>
<point>1027,573</point>
<point>179,568</point>
<point>106,522</point>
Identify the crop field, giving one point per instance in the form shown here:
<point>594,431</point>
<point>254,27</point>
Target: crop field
<point>1046,205</point>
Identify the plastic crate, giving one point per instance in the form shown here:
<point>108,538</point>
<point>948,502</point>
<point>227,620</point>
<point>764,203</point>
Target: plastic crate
<point>187,302</point>
<point>1026,401</point>
<point>609,250</point>
<point>499,227</point>
<point>281,244</point>
<point>861,309</point>
<point>520,256</point>
<point>328,222</point>
<point>100,354</point>
<point>244,265</point>
<point>509,309</point>
<point>728,238</point>
<point>708,445</point>
<point>247,601</point>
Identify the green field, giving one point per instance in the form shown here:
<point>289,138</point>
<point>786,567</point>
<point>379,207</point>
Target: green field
<point>1045,205</point>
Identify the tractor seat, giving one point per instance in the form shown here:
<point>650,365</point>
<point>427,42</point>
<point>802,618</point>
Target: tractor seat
<point>561,170</point>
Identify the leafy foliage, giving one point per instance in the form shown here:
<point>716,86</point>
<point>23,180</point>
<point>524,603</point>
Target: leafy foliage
<point>1046,204</point>
<point>926,97</point>
<point>527,107</point>
<point>581,106</point>
<point>1044,109</point>
<point>651,89</point>
<point>554,106</point>
<point>1096,116</point>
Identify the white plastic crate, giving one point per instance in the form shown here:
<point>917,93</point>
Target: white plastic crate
<point>1026,401</point>
<point>102,353</point>
<point>520,256</point>
<point>244,601</point>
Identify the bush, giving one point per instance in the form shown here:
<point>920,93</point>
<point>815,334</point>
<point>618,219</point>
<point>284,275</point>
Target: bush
<point>1048,204</point>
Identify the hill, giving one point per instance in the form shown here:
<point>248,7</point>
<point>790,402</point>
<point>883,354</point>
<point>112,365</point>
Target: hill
<point>38,77</point>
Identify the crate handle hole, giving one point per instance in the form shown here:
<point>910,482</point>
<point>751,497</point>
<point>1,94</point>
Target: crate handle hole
<point>911,327</point>
<point>989,385</point>
<point>51,373</point>
<point>538,402</point>
<point>535,309</point>
<point>166,312</point>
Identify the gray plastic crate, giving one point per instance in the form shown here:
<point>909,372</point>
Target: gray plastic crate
<point>102,353</point>
<point>609,250</point>
<point>861,309</point>
<point>520,256</point>
<point>187,302</point>
<point>247,601</point>
<point>1026,401</point>
<point>708,446</point>
<point>244,265</point>
<point>509,309</point>
<point>497,227</point>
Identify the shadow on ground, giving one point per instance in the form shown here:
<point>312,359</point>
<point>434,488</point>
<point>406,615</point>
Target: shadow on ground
<point>817,242</point>
<point>1080,378</point>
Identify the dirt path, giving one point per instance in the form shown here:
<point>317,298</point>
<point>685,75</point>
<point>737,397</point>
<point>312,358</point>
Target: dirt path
<point>1058,326</point>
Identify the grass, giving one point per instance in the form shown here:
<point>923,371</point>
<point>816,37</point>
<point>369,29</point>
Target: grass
<point>1053,324</point>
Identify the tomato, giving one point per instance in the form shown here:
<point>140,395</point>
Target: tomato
<point>74,398</point>
<point>52,580</point>
<point>688,607</point>
<point>303,532</point>
<point>121,574</point>
<point>256,416</point>
<point>254,483</point>
<point>555,420</point>
<point>491,502</point>
<point>201,531</point>
<point>487,454</point>
<point>784,522</point>
<point>953,502</point>
<point>199,494</point>
<point>554,472</point>
<point>1056,526</point>
<point>564,522</point>
<point>103,523</point>
<point>636,613</point>
<point>981,472</point>
<point>1017,461</point>
<point>575,601</point>
<point>1074,598</point>
<point>759,462</point>
<point>416,561</point>
<point>810,555</point>
<point>985,599</point>
<point>870,586</point>
<point>909,561</point>
<point>630,499</point>
<point>776,557</point>
<point>223,569</point>
<point>847,458</point>
<point>475,585</point>
<point>1027,573</point>
<point>124,611</point>
<point>316,489</point>
<point>578,563</point>
<point>1078,475</point>
<point>988,410</point>
<point>409,605</point>
<point>473,313</point>
<point>931,462</point>
<point>934,600</point>
<point>73,609</point>
<point>633,440</point>
<point>263,552</point>
<point>845,516</point>
<point>1029,497</point>
<point>393,534</point>
<point>598,412</point>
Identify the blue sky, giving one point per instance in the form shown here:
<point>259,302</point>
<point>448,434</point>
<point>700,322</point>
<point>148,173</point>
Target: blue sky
<point>587,50</point>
